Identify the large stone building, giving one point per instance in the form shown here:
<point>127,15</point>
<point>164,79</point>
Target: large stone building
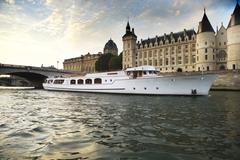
<point>187,50</point>
<point>86,63</point>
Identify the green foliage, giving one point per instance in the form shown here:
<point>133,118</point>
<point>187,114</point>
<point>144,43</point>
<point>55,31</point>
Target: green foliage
<point>108,62</point>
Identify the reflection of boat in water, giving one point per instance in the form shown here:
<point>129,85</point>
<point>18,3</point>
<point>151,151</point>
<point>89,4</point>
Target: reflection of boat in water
<point>16,88</point>
<point>137,80</point>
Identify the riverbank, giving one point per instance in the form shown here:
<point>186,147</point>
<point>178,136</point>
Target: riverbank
<point>227,81</point>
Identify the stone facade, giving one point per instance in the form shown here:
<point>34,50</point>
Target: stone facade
<point>187,50</point>
<point>84,63</point>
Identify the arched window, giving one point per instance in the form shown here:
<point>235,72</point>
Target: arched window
<point>88,81</point>
<point>80,81</point>
<point>97,81</point>
<point>179,70</point>
<point>73,81</point>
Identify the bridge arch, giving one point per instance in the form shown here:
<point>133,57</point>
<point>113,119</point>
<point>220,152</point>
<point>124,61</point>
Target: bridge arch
<point>35,79</point>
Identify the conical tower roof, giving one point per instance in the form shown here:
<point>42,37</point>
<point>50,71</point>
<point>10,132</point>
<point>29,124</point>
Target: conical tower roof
<point>235,18</point>
<point>205,25</point>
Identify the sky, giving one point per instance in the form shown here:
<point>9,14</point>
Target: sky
<point>45,32</point>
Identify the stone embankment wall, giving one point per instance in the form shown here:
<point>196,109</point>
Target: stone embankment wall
<point>227,80</point>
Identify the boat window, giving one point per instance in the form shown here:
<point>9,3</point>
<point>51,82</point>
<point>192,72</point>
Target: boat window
<point>58,81</point>
<point>140,73</point>
<point>97,81</point>
<point>45,81</point>
<point>73,81</point>
<point>150,72</point>
<point>112,73</point>
<point>80,81</point>
<point>50,81</point>
<point>88,81</point>
<point>144,72</point>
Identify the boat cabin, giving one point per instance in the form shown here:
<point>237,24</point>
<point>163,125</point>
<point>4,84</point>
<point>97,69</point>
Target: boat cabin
<point>142,71</point>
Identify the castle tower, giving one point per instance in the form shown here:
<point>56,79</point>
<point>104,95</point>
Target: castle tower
<point>233,37</point>
<point>221,48</point>
<point>205,46</point>
<point>129,48</point>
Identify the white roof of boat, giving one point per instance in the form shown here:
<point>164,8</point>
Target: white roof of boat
<point>142,68</point>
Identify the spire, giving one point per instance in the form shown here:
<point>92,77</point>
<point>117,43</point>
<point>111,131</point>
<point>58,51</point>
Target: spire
<point>129,32</point>
<point>128,29</point>
<point>205,25</point>
<point>235,18</point>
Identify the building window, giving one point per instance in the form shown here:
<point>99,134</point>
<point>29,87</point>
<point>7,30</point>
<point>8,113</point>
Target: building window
<point>207,68</point>
<point>186,59</point>
<point>205,43</point>
<point>173,61</point>
<point>145,54</point>
<point>150,62</point>
<point>219,43</point>
<point>225,43</point>
<point>193,59</point>
<point>160,61</point>
<point>166,61</point>
<point>213,57</point>
<point>150,54</point>
<point>206,57</point>
<point>205,50</point>
<point>80,81</point>
<point>179,60</point>
<point>197,58</point>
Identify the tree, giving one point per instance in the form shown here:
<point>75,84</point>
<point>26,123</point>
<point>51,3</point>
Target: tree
<point>109,62</point>
<point>101,64</point>
<point>115,62</point>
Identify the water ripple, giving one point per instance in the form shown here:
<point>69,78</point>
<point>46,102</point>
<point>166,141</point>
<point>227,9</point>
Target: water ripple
<point>38,124</point>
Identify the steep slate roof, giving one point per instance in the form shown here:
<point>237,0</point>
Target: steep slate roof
<point>235,18</point>
<point>205,25</point>
<point>128,31</point>
<point>165,37</point>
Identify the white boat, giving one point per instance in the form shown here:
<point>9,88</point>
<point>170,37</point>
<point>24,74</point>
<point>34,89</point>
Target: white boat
<point>138,80</point>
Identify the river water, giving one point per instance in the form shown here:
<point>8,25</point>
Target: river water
<point>38,124</point>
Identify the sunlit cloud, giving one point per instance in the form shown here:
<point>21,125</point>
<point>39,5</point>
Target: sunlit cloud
<point>35,32</point>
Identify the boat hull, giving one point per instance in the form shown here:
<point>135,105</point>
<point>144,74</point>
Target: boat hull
<point>168,85</point>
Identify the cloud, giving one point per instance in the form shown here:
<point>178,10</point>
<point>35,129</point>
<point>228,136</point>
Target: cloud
<point>10,1</point>
<point>74,27</point>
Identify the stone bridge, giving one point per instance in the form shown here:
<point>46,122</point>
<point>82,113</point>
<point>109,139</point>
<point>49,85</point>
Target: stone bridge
<point>35,75</point>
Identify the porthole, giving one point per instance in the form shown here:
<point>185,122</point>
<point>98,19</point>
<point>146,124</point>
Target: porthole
<point>157,88</point>
<point>134,88</point>
<point>145,88</point>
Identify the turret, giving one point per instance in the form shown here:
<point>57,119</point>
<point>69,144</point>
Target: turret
<point>205,45</point>
<point>129,48</point>
<point>233,44</point>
